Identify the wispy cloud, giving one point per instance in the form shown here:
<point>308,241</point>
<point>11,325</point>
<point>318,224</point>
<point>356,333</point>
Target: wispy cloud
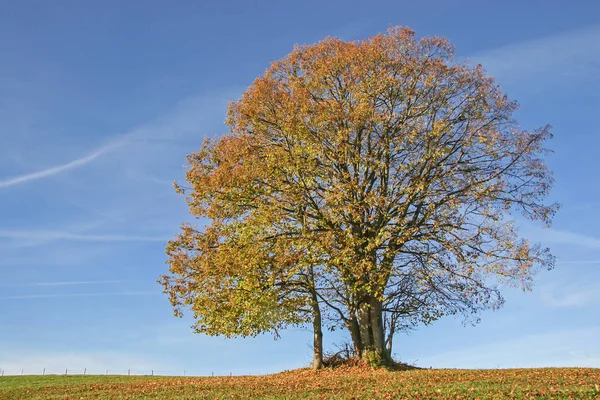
<point>578,262</point>
<point>17,180</point>
<point>570,54</point>
<point>65,283</point>
<point>573,295</point>
<point>565,348</point>
<point>57,235</point>
<point>59,254</point>
<point>555,236</point>
<point>153,131</point>
<point>49,296</point>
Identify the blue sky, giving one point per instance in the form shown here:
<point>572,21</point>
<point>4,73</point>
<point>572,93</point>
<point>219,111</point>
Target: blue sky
<point>101,101</point>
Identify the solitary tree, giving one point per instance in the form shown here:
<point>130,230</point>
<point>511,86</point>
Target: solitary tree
<point>386,169</point>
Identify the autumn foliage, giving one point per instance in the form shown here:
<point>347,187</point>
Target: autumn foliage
<point>365,185</point>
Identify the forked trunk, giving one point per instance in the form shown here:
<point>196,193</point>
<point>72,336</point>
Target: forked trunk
<point>372,337</point>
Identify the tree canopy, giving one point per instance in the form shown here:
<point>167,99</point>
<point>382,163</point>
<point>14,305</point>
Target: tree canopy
<point>372,181</point>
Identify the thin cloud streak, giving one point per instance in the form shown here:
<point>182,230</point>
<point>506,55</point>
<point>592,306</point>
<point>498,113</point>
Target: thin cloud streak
<point>66,283</point>
<point>60,168</point>
<point>48,296</point>
<point>57,235</point>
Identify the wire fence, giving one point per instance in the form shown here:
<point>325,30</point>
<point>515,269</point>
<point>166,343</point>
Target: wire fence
<point>119,372</point>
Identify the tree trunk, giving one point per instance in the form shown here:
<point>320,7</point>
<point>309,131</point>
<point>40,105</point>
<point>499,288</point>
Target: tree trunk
<point>366,330</point>
<point>388,344</point>
<point>372,336</point>
<point>376,314</point>
<point>317,334</point>
<point>391,329</point>
<point>353,327</point>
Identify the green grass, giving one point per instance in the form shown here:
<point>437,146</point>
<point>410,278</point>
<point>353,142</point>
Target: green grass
<point>343,383</point>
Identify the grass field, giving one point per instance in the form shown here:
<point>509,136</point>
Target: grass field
<point>343,383</point>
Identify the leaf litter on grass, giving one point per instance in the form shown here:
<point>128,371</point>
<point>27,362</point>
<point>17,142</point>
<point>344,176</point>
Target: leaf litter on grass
<point>339,383</point>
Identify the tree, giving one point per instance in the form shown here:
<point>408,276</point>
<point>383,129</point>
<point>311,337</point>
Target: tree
<point>236,283</point>
<point>386,166</point>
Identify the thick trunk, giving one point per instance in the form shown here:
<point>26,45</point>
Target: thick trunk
<point>377,325</point>
<point>317,334</point>
<point>372,336</point>
<point>365,327</point>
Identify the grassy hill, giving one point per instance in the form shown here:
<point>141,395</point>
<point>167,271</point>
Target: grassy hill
<point>342,383</point>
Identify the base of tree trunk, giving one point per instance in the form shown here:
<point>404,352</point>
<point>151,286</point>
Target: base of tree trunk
<point>376,358</point>
<point>337,361</point>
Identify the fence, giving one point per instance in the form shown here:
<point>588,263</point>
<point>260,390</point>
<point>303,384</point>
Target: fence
<point>121,372</point>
